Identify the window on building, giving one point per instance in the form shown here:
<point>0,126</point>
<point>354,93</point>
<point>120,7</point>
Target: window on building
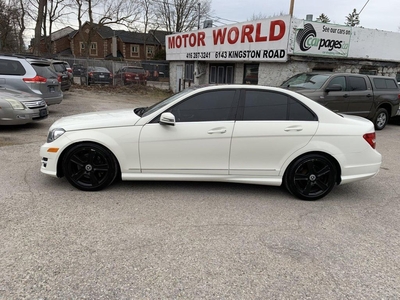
<point>134,50</point>
<point>250,74</point>
<point>368,70</point>
<point>221,73</point>
<point>189,71</point>
<point>82,45</point>
<point>93,48</point>
<point>150,51</point>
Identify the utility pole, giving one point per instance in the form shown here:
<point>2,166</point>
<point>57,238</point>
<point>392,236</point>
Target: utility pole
<point>291,8</point>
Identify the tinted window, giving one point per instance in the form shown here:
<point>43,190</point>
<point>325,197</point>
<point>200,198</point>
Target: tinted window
<point>11,67</point>
<point>44,71</point>
<point>357,83</point>
<point>385,83</point>
<point>340,80</point>
<point>135,70</point>
<point>208,106</point>
<point>59,67</point>
<point>260,105</point>
<point>268,106</point>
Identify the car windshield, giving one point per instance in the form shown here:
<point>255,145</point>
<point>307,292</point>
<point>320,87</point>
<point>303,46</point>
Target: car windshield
<point>165,102</point>
<point>306,81</point>
<point>100,69</point>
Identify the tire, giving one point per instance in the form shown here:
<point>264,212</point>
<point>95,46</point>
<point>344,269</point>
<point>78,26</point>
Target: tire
<point>90,167</point>
<point>310,177</point>
<point>381,119</point>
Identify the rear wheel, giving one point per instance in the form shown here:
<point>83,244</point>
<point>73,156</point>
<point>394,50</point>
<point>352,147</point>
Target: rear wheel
<point>310,177</point>
<point>90,167</point>
<point>381,118</point>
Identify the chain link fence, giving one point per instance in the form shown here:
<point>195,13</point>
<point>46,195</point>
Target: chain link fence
<point>157,72</point>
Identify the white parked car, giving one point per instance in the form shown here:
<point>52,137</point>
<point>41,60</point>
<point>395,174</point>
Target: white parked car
<point>229,133</point>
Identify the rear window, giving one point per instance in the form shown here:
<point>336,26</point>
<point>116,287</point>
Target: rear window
<point>385,83</point>
<point>11,67</point>
<point>59,67</point>
<point>135,70</point>
<point>44,71</point>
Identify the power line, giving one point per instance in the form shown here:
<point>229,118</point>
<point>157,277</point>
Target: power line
<point>363,7</point>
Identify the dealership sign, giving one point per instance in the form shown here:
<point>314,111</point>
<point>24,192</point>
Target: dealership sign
<point>316,38</point>
<point>262,40</point>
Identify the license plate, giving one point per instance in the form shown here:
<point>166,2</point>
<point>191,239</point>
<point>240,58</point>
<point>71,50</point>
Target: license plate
<point>137,78</point>
<point>101,76</point>
<point>43,112</point>
<point>52,89</point>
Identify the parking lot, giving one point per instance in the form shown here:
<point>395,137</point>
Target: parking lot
<point>190,240</point>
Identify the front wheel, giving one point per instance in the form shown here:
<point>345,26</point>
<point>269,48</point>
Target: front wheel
<point>381,118</point>
<point>310,177</point>
<point>90,167</point>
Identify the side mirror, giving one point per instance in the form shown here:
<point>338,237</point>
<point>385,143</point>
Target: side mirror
<point>334,88</point>
<point>167,119</point>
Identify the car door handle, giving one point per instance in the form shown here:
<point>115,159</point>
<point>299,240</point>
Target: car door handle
<point>345,95</point>
<point>294,128</point>
<point>217,130</point>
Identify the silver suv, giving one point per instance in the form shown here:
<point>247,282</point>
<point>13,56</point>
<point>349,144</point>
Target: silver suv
<point>32,75</point>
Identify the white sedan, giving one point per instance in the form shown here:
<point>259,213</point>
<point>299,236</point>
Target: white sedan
<point>230,133</point>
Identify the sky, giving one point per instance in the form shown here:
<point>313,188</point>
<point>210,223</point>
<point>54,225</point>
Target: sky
<point>377,14</point>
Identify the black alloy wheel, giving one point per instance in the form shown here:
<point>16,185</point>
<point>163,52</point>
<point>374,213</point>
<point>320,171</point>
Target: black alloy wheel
<point>90,167</point>
<point>310,177</point>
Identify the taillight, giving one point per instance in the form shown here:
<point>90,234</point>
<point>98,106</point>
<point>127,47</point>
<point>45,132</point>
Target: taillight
<point>111,75</point>
<point>371,139</point>
<point>59,78</point>
<point>90,74</point>
<point>36,79</point>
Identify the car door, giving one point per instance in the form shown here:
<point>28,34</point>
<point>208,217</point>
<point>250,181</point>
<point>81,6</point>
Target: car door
<point>360,96</point>
<point>336,100</point>
<point>270,127</point>
<point>198,143</point>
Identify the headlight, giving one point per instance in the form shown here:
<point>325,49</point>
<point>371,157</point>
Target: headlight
<point>15,104</point>
<point>55,134</point>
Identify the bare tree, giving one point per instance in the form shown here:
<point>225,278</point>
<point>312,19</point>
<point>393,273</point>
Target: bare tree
<point>323,18</point>
<point>38,26</point>
<point>181,15</point>
<point>353,19</point>
<point>100,13</point>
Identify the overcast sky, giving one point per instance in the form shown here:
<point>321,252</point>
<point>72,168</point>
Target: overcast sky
<point>377,14</point>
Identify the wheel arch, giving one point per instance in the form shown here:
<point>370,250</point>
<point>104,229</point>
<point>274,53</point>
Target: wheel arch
<point>327,155</point>
<point>60,171</point>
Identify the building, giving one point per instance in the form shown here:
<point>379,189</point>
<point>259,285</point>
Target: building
<point>103,43</point>
<point>268,51</point>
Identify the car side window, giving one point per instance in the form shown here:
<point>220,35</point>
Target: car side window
<point>11,67</point>
<point>272,106</point>
<point>385,83</point>
<point>207,106</point>
<point>340,80</point>
<point>357,83</point>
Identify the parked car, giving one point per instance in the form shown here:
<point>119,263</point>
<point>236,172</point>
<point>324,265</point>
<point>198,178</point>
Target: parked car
<point>18,108</point>
<point>31,75</point>
<point>59,67</point>
<point>69,71</point>
<point>373,97</point>
<point>230,133</point>
<point>130,75</point>
<point>99,75</point>
<point>78,69</point>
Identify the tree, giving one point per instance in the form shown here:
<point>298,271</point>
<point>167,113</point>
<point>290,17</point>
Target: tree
<point>323,18</point>
<point>101,13</point>
<point>353,19</point>
<point>181,15</point>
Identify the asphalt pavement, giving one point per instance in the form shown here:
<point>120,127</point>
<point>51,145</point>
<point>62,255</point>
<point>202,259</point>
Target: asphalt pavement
<point>185,240</point>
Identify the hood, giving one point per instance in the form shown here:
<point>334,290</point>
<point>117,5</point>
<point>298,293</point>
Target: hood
<point>101,119</point>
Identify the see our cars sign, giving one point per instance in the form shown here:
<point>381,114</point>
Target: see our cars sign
<point>316,38</point>
<point>261,40</point>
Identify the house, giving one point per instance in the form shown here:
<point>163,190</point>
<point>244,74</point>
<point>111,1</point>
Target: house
<point>102,42</point>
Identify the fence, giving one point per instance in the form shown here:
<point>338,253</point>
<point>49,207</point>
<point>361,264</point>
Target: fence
<point>155,70</point>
